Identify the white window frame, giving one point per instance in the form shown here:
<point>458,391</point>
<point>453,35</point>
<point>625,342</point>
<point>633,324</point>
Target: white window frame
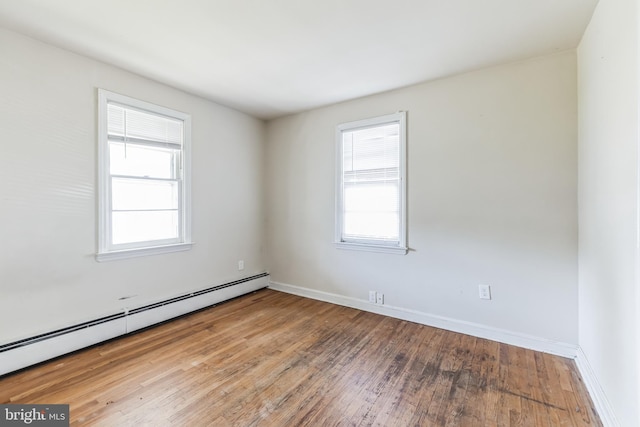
<point>106,250</point>
<point>372,245</point>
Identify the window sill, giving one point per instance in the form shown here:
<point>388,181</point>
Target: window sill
<point>133,253</point>
<point>372,248</point>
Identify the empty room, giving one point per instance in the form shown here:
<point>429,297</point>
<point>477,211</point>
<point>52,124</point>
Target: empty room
<point>306,213</point>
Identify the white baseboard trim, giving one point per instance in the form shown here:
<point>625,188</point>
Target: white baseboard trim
<point>454,325</point>
<point>22,357</point>
<point>600,401</point>
<point>24,353</point>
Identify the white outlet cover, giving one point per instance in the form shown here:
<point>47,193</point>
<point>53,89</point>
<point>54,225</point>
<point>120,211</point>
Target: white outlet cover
<point>372,296</point>
<point>484,291</point>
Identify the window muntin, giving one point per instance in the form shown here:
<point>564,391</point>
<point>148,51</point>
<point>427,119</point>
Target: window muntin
<point>144,165</point>
<point>370,195</point>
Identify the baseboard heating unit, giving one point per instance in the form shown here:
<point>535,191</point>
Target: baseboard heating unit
<point>29,351</point>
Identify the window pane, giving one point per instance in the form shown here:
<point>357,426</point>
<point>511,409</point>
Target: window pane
<point>372,148</point>
<point>373,175</point>
<point>128,227</point>
<point>371,211</point>
<point>140,160</point>
<point>371,205</point>
<point>144,194</point>
<point>371,226</point>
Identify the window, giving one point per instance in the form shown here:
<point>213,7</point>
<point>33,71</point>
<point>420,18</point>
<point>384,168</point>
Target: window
<point>371,184</point>
<point>143,178</point>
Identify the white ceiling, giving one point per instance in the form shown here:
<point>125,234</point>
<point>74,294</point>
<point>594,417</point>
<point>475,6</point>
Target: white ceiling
<point>273,57</point>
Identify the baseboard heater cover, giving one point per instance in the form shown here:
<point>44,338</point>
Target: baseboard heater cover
<point>30,351</point>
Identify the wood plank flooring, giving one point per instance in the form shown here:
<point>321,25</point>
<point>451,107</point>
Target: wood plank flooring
<point>273,359</point>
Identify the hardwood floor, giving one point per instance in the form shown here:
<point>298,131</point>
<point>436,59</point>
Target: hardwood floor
<point>273,359</point>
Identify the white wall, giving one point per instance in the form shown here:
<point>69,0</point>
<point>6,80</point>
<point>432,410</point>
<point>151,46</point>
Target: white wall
<point>608,197</point>
<point>492,199</point>
<point>49,277</point>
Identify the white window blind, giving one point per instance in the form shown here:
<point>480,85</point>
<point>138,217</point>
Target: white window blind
<point>143,153</point>
<point>370,194</point>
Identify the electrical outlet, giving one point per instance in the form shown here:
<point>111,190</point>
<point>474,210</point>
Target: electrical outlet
<point>379,298</point>
<point>241,265</point>
<point>372,297</point>
<point>484,291</point>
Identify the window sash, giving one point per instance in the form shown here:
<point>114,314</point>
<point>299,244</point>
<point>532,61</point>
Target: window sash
<point>142,160</point>
<point>144,194</point>
<point>371,190</point>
